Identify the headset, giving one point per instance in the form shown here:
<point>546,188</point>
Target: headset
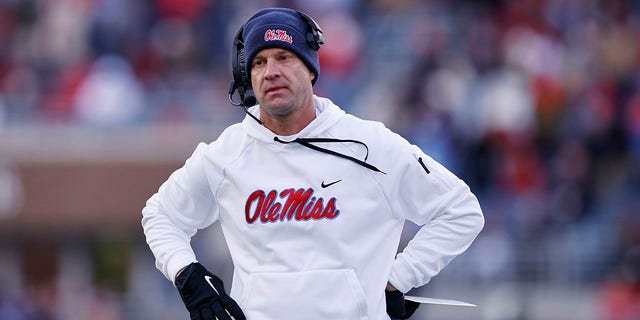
<point>242,81</point>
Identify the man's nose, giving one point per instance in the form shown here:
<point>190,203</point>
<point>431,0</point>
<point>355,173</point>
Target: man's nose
<point>271,70</point>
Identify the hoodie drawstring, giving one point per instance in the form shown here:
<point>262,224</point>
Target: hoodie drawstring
<point>308,142</point>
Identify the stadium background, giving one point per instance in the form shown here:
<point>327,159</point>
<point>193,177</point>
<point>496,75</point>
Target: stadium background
<point>535,103</point>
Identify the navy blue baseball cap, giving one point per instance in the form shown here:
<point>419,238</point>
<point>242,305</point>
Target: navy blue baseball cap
<point>279,28</point>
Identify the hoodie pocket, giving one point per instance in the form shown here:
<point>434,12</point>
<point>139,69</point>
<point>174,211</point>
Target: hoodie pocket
<point>316,294</point>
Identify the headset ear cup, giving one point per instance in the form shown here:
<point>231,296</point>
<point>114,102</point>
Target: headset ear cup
<point>236,67</point>
<point>314,36</point>
<point>235,70</point>
<point>241,81</point>
<point>248,98</point>
<point>244,77</point>
<point>312,42</point>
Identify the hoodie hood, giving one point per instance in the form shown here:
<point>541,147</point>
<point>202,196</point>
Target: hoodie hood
<point>327,114</point>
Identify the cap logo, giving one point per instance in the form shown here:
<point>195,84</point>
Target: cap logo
<point>277,35</point>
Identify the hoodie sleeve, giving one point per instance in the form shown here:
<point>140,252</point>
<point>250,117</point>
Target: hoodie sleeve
<point>448,213</point>
<point>182,205</point>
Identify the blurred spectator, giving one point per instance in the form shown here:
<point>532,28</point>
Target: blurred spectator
<point>11,193</point>
<point>110,94</point>
<point>621,291</point>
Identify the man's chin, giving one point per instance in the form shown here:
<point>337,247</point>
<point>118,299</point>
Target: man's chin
<point>277,106</point>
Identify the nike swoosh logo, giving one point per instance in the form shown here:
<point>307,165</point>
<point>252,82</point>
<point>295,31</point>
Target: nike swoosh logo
<point>208,280</point>
<point>329,184</point>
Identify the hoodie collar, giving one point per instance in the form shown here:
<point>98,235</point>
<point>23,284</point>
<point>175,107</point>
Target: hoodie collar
<point>327,114</point>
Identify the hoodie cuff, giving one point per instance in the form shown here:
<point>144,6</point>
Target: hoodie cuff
<point>176,263</point>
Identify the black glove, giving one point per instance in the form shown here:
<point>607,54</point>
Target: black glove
<point>204,296</point>
<point>398,307</point>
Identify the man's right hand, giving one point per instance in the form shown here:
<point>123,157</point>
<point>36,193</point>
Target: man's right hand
<point>204,296</point>
<point>397,306</point>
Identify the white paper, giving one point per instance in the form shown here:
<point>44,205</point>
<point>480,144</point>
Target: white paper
<point>439,301</point>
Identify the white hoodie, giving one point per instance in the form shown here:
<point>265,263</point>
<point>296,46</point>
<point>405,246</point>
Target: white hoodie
<point>313,234</point>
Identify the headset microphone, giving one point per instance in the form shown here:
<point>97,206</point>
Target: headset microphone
<point>247,100</point>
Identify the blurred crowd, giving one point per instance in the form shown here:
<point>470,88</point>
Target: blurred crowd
<point>535,103</point>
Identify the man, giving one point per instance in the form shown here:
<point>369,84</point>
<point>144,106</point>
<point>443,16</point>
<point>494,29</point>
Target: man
<point>311,200</point>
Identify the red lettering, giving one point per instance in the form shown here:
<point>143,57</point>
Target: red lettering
<point>269,209</point>
<point>306,214</point>
<point>316,212</point>
<point>299,204</point>
<point>280,35</point>
<point>295,203</point>
<point>330,211</point>
<point>269,35</point>
<point>256,195</point>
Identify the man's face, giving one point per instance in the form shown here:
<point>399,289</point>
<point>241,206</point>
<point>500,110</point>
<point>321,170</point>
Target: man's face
<point>281,81</point>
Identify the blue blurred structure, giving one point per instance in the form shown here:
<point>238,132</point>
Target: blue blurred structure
<point>535,103</point>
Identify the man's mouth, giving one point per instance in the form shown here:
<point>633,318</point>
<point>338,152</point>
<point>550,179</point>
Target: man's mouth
<point>274,89</point>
